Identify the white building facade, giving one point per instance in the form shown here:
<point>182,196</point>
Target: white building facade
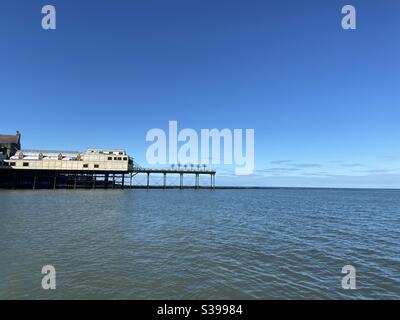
<point>100,160</point>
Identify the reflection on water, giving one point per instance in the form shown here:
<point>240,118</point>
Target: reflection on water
<point>204,244</point>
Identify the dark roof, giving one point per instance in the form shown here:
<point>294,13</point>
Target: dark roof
<point>9,139</point>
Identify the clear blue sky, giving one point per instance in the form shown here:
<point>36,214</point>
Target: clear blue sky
<point>324,102</point>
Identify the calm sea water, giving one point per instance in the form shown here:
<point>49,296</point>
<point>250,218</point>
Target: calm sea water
<point>188,244</point>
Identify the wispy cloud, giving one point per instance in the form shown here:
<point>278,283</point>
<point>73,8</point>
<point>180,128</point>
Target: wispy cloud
<point>276,171</point>
<point>267,170</point>
<point>316,174</point>
<point>319,179</point>
<point>306,165</point>
<point>280,161</point>
<point>225,172</point>
<point>290,163</point>
<point>380,171</point>
<point>390,158</point>
<point>351,165</point>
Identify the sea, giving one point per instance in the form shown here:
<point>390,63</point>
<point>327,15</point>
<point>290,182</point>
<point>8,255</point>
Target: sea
<point>201,244</point>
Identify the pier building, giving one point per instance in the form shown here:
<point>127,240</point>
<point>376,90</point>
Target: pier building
<point>93,168</point>
<point>96,160</point>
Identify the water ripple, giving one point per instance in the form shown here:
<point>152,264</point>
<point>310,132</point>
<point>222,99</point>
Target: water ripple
<point>223,244</point>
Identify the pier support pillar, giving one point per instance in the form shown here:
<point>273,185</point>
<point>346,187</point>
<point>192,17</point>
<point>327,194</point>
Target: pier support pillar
<point>123,181</point>
<point>55,181</point>
<point>113,181</point>
<point>106,181</point>
<point>14,181</point>
<point>197,181</point>
<point>148,180</point>
<point>94,182</point>
<point>34,182</point>
<point>181,181</point>
<point>165,180</point>
<point>212,175</point>
<point>75,177</point>
<point>130,181</point>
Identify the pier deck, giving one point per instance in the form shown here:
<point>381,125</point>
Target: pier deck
<point>181,173</point>
<point>69,179</point>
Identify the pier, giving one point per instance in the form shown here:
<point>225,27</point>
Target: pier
<point>90,169</point>
<point>180,173</point>
<point>56,179</point>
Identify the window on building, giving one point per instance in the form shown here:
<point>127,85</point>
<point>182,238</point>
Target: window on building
<point>109,158</point>
<point>25,164</point>
<point>121,153</point>
<point>12,164</point>
<point>125,158</point>
<point>96,166</point>
<point>119,158</point>
<point>86,165</point>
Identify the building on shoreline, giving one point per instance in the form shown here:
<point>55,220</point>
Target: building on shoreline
<point>9,145</point>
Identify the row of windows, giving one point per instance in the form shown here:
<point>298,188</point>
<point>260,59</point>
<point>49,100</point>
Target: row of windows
<point>96,166</point>
<point>26,164</point>
<point>118,158</point>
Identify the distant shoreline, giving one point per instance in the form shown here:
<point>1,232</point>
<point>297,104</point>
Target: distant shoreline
<point>262,188</point>
<point>256,188</point>
<point>208,188</point>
